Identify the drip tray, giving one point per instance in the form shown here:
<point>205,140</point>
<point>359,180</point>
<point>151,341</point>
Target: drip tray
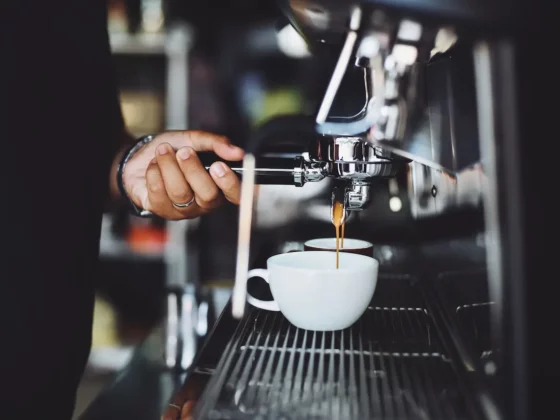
<point>389,365</point>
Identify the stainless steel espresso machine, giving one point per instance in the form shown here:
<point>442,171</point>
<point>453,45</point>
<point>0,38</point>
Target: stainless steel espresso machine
<point>446,335</point>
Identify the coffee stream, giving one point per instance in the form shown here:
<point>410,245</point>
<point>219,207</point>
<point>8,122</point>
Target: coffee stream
<point>339,223</point>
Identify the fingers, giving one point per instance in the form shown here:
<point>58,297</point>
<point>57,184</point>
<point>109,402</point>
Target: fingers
<point>186,412</point>
<point>171,413</point>
<point>178,176</point>
<point>227,181</point>
<point>206,192</point>
<point>202,141</point>
<point>158,200</point>
<point>178,189</point>
<point>184,401</point>
<point>182,404</point>
<point>174,409</point>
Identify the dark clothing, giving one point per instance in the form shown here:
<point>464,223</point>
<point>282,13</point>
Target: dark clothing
<point>60,128</point>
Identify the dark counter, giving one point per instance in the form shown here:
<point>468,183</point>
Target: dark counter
<point>141,390</point>
<point>145,387</point>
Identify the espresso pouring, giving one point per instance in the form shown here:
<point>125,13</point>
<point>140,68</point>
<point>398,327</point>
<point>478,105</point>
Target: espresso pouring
<point>338,220</point>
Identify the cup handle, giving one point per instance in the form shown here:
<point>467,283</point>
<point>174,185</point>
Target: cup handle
<point>269,305</point>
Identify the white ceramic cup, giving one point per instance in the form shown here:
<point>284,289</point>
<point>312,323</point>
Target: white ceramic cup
<point>313,294</point>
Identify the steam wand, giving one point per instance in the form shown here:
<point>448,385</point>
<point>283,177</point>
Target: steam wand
<point>239,293</point>
<point>276,131</point>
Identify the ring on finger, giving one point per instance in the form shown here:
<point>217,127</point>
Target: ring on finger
<point>174,406</point>
<point>185,205</point>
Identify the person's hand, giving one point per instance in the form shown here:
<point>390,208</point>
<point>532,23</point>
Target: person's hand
<point>182,404</point>
<point>166,173</point>
<point>174,413</point>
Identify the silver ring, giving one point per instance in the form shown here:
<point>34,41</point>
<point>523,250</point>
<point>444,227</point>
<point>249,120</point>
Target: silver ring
<point>174,406</point>
<point>184,206</point>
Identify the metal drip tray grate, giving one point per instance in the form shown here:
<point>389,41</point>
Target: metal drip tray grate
<point>389,365</point>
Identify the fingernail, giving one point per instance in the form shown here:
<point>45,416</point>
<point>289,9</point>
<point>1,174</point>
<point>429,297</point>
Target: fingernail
<point>218,169</point>
<point>154,161</point>
<point>163,149</point>
<point>184,153</point>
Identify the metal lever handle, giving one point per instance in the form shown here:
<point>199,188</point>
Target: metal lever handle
<point>269,170</point>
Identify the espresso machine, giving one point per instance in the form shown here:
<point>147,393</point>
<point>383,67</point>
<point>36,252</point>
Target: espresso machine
<point>447,333</point>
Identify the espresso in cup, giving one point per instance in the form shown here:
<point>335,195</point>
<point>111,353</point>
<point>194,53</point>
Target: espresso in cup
<point>313,294</point>
<point>352,246</point>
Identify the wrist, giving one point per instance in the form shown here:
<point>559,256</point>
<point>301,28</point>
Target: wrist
<point>119,176</point>
<point>114,189</point>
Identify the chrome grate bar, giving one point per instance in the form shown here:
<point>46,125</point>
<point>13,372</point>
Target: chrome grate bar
<point>389,365</point>
<point>265,393</point>
<point>252,386</point>
<point>420,390</point>
<point>307,391</point>
<point>275,391</point>
<point>376,400</point>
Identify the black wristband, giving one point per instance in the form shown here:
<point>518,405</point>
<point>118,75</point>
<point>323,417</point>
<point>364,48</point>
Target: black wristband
<point>127,155</point>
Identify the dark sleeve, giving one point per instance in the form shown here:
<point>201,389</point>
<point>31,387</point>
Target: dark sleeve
<point>99,67</point>
<point>101,96</point>
<point>61,127</point>
<point>59,85</point>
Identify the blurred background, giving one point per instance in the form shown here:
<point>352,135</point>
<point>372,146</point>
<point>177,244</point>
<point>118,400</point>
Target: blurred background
<point>222,66</point>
